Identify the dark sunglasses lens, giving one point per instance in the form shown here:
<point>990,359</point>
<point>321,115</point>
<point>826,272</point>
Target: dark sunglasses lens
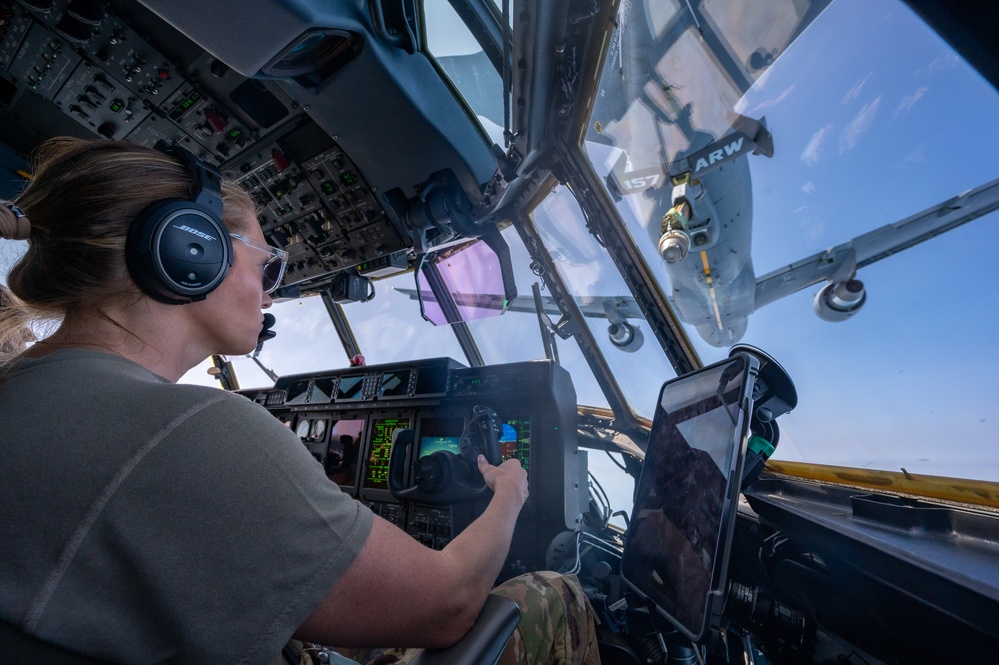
<point>273,271</point>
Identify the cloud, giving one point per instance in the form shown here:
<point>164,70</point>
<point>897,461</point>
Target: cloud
<point>910,101</point>
<point>813,150</point>
<point>915,158</point>
<point>942,62</point>
<point>854,92</point>
<point>814,232</point>
<point>771,102</point>
<point>858,126</point>
<point>807,188</point>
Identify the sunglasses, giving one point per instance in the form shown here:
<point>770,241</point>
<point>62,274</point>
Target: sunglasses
<point>273,270</point>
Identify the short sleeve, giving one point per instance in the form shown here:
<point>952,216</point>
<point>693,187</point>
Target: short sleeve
<point>217,544</point>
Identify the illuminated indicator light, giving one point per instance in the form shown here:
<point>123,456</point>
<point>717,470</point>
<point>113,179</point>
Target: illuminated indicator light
<point>348,178</point>
<point>116,106</point>
<point>234,134</point>
<point>185,105</point>
<point>328,187</point>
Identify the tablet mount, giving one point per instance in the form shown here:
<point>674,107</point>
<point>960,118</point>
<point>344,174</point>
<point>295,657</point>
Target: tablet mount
<point>774,395</point>
<point>679,503</point>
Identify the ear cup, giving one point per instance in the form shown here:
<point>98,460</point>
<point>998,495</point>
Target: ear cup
<point>178,250</point>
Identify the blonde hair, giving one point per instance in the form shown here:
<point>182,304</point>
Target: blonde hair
<point>82,197</point>
<point>20,333</point>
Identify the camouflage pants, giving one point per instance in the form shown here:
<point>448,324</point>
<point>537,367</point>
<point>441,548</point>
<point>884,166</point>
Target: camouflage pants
<point>556,626</point>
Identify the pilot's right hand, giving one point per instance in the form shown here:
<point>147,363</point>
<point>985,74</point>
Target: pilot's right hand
<point>509,476</point>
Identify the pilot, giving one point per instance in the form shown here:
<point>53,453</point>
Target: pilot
<point>151,521</point>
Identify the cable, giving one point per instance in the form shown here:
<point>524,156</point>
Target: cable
<point>597,539</point>
<point>371,291</point>
<point>578,565</point>
<point>697,653</point>
<point>620,465</point>
<point>596,483</point>
<point>600,497</point>
<point>596,544</point>
<point>591,227</point>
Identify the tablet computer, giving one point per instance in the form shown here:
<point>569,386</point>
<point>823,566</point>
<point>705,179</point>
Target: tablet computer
<point>679,538</point>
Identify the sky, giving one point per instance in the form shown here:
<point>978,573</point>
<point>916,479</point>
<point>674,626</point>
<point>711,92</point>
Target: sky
<point>868,131</point>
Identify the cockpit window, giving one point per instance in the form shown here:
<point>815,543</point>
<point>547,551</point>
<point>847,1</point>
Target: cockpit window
<point>516,335</point>
<point>786,175</point>
<point>609,310</point>
<point>460,56</point>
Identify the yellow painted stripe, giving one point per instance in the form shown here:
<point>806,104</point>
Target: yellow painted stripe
<point>711,289</point>
<point>707,268</point>
<point>977,492</point>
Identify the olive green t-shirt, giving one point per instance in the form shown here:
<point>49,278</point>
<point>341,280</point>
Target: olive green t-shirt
<point>146,521</point>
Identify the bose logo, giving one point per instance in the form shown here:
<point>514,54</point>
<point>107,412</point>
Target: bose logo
<point>196,232</point>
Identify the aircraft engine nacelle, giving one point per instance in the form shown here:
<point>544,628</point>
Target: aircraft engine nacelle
<point>625,336</point>
<point>838,301</point>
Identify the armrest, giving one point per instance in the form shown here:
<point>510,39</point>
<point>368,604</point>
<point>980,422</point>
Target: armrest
<point>484,641</point>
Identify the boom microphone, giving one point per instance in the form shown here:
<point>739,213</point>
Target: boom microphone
<point>265,331</point>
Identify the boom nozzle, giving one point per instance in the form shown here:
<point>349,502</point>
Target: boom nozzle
<point>675,241</point>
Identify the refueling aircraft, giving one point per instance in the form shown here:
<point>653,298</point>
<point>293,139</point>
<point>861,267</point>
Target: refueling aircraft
<point>700,187</point>
<point>531,229</point>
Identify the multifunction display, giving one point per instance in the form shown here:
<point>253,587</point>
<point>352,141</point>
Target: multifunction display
<point>382,429</point>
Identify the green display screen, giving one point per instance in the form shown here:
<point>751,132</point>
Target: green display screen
<point>185,105</point>
<point>376,469</point>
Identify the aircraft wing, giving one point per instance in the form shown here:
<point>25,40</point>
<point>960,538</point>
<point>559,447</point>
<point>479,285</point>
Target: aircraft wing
<point>841,262</point>
<point>612,308</point>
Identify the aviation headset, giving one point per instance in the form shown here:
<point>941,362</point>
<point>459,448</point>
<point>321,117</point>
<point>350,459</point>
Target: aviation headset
<point>178,250</point>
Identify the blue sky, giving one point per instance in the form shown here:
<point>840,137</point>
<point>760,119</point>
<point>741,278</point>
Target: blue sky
<point>874,118</point>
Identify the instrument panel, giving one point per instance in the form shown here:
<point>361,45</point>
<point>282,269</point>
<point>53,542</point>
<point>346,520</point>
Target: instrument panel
<point>119,72</point>
<point>347,420</point>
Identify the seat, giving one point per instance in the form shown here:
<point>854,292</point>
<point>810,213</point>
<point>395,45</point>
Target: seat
<point>481,645</point>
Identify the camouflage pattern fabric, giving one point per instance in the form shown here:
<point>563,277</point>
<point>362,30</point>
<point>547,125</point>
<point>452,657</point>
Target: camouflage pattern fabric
<point>556,621</point>
<point>556,626</point>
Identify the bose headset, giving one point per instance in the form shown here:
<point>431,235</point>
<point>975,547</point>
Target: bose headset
<point>178,250</point>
